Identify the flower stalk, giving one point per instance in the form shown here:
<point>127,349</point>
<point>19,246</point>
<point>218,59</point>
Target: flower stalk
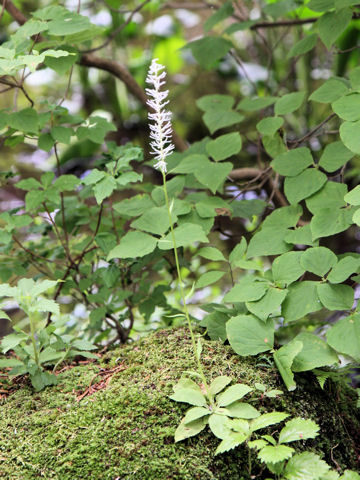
<point>162,147</point>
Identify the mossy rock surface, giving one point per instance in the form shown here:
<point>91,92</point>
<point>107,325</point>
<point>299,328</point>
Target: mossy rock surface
<point>125,431</point>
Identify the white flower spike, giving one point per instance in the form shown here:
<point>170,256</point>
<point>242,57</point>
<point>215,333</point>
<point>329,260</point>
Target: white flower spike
<point>161,130</point>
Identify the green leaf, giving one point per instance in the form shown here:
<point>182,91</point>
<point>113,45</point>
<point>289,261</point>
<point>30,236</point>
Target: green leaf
<point>330,196</point>
<point>249,336</point>
<point>289,103</point>
<point>42,286</point>
<point>25,121</point>
<point>270,125</point>
<point>258,444</point>
<point>63,64</point>
<point>330,221</point>
<point>95,128</point>
<point>83,345</point>
<point>215,102</point>
<point>275,454</point>
<point>321,5</point>
<point>344,336</point>
<point>287,269</point>
<point>45,142</point>
<point>284,358</point>
<point>213,175</point>
<point>301,299</point>
<point>348,107</point>
<point>191,163</point>
<point>315,353</point>
<point>66,183</point>
<point>9,342</point>
<point>269,304</point>
<point>354,77</point>
<point>318,260</point>
<point>195,413</point>
<point>353,197</point>
<point>209,278</point>
<point>174,187</point>
<point>356,217</point>
<point>335,156</point>
<point>220,425</point>
<point>332,24</point>
<point>231,441</point>
<point>154,220</point>
<point>132,245</point>
<point>186,234</point>
<point>225,11</point>
<point>246,289</point>
<point>10,362</point>
<point>238,252</point>
<point>215,323</point>
<point>305,466</point>
<point>219,383</point>
<point>248,208</point>
<point>188,430</point>
<point>47,179</point>
<point>232,394</point>
<point>50,355</point>
<point>298,429</point>
<point>283,217</point>
<point>68,23</point>
<point>342,270</point>
<point>94,177</point>
<point>189,395</point>
<point>260,245</point>
<point>134,206</point>
<point>336,297</point>
<point>292,162</point>
<point>303,46</point>
<point>216,120</point>
<point>211,253</point>
<point>242,410</point>
<point>349,134</point>
<point>255,104</point>
<point>224,146</point>
<point>28,184</point>
<point>329,91</point>
<point>304,185</point>
<point>209,50</point>
<point>47,305</point>
<point>350,475</point>
<point>62,134</point>
<point>104,188</point>
<point>274,145</point>
<point>208,206</point>
<point>267,419</point>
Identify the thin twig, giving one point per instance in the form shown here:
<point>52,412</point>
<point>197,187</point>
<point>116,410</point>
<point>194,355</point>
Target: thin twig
<point>62,201</point>
<point>2,10</point>
<point>118,29</point>
<point>295,143</point>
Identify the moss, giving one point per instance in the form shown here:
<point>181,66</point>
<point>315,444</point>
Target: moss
<point>126,430</point>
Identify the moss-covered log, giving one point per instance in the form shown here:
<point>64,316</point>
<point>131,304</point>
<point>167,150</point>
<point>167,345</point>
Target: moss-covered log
<point>125,431</point>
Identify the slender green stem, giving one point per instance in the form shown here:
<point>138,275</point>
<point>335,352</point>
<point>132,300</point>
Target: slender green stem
<point>249,467</point>
<point>33,339</point>
<point>182,293</point>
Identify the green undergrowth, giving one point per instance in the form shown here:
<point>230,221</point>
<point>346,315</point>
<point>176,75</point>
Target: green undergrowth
<point>126,430</point>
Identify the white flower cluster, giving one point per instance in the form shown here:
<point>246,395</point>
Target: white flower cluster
<point>161,129</point>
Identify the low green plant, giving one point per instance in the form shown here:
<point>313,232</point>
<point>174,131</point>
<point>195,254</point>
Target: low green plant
<point>236,423</point>
<point>42,345</point>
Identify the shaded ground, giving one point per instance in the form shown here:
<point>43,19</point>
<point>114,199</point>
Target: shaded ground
<point>114,420</point>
